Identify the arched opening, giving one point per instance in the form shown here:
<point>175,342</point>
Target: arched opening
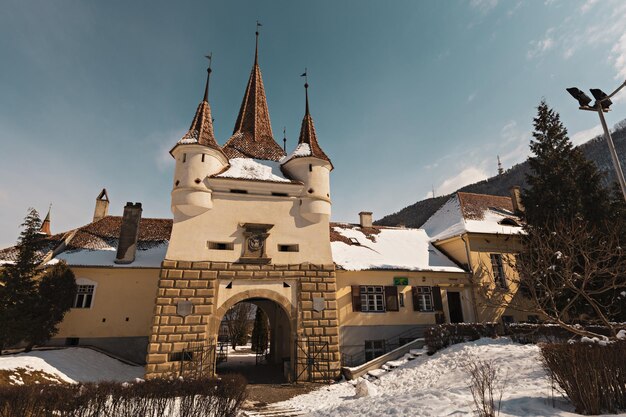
<point>268,357</point>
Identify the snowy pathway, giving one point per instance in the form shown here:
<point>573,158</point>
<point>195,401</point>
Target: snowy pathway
<point>438,386</point>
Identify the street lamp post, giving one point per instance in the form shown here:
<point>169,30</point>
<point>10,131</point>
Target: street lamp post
<point>602,104</point>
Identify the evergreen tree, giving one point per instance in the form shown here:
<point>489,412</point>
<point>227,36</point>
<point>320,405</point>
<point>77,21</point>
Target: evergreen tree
<point>562,183</point>
<point>18,292</point>
<point>565,197</point>
<point>55,295</point>
<point>32,304</point>
<point>260,332</point>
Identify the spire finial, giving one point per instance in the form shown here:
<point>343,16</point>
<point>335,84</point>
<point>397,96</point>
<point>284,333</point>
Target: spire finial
<point>285,139</point>
<point>208,76</point>
<point>306,89</point>
<point>256,49</point>
<point>500,169</point>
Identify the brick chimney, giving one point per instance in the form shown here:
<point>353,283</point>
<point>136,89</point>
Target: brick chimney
<point>102,206</point>
<point>516,198</point>
<point>365,219</point>
<point>127,244</point>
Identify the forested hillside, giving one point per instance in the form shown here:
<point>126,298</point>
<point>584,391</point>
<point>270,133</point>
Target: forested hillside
<point>596,150</point>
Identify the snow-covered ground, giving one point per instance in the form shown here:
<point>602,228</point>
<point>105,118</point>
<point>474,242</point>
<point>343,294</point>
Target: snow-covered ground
<point>73,365</point>
<point>438,386</point>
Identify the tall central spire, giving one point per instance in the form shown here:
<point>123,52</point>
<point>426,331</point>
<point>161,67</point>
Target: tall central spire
<point>252,136</point>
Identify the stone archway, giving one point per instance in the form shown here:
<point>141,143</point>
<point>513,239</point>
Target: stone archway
<point>192,297</point>
<point>281,315</point>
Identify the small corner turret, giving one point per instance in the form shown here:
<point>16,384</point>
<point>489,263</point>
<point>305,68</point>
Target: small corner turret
<point>197,156</point>
<point>308,163</point>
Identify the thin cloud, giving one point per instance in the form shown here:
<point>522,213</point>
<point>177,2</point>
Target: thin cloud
<point>540,47</point>
<point>588,5</point>
<point>483,6</point>
<point>583,136</point>
<point>467,176</point>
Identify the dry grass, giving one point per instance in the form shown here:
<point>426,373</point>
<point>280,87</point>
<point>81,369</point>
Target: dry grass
<point>22,376</point>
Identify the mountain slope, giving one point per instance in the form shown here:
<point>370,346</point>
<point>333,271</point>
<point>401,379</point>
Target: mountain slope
<point>595,150</point>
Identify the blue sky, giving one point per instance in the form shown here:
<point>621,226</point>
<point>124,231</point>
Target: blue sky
<point>405,95</point>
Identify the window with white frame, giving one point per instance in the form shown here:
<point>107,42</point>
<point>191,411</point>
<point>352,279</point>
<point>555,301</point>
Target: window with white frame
<point>498,270</point>
<point>84,294</point>
<point>372,298</point>
<point>424,298</point>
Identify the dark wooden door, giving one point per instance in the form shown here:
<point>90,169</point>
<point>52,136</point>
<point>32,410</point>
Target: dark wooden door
<point>455,307</point>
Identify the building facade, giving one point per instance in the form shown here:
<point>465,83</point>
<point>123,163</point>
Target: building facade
<point>251,223</point>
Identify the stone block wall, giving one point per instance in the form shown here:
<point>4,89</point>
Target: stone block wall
<point>197,282</point>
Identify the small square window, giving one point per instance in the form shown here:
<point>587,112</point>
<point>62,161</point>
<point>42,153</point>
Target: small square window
<point>221,246</point>
<point>289,248</point>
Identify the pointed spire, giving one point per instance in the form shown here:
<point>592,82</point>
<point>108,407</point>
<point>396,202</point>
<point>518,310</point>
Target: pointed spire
<point>45,225</point>
<point>201,129</point>
<point>307,142</point>
<point>252,136</point>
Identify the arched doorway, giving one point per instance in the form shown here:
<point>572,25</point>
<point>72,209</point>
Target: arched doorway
<point>271,366</point>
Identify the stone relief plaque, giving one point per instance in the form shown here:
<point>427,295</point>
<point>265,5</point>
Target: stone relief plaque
<point>255,236</point>
<point>184,308</point>
<point>319,304</point>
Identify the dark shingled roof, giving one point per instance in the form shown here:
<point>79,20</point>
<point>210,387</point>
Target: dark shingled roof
<point>101,234</point>
<point>474,206</point>
<point>252,136</point>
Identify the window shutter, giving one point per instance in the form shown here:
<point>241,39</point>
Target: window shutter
<point>437,303</point>
<point>415,301</point>
<point>356,298</point>
<point>391,298</point>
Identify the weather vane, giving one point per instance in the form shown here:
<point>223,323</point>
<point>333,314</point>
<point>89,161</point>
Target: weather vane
<point>304,74</point>
<point>258,25</point>
<point>209,57</point>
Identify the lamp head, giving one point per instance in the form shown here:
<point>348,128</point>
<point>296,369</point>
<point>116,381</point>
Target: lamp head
<point>583,99</point>
<point>601,98</point>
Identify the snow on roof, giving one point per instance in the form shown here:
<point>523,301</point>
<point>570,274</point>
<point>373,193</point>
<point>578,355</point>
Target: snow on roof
<point>254,169</point>
<point>473,213</point>
<point>144,258</point>
<point>356,249</point>
<point>302,150</point>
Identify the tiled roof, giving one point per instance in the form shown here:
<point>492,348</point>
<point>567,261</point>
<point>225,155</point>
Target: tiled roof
<point>308,136</point>
<point>474,206</point>
<point>355,248</point>
<point>201,129</point>
<point>102,234</point>
<point>252,136</point>
<point>473,213</point>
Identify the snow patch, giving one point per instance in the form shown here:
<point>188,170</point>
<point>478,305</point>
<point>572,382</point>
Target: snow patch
<point>438,386</point>
<point>73,365</point>
<point>254,169</point>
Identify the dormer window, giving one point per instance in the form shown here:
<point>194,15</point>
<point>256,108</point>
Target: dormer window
<point>354,241</point>
<point>507,221</point>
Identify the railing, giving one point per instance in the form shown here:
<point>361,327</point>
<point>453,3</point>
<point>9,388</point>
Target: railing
<point>390,344</point>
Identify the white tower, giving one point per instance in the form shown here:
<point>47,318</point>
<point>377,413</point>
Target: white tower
<point>197,156</point>
<point>308,163</point>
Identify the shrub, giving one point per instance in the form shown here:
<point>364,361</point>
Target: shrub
<point>486,385</point>
<point>550,333</point>
<point>443,335</point>
<point>153,398</point>
<point>592,375</point>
